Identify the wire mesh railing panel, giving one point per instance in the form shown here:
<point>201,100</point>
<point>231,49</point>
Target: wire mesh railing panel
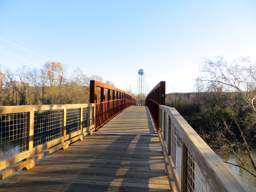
<point>169,136</point>
<point>200,181</point>
<point>166,130</point>
<point>178,160</point>
<point>190,172</point>
<point>92,116</point>
<point>160,119</point>
<point>73,120</point>
<point>86,117</point>
<point>13,133</point>
<point>196,181</point>
<point>164,126</point>
<point>173,145</point>
<point>48,126</point>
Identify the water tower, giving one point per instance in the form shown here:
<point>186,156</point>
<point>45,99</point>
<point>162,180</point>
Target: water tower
<point>140,81</point>
<point>141,91</point>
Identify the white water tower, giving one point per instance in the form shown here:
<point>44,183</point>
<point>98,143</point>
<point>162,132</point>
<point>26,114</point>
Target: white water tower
<point>141,81</point>
<point>141,88</point>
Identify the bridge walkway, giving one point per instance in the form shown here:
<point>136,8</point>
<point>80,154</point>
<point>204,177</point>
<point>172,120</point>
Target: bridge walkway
<point>124,155</point>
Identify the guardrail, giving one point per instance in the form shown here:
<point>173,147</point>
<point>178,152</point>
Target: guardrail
<point>108,101</point>
<point>194,165</point>
<point>155,98</point>
<point>27,133</point>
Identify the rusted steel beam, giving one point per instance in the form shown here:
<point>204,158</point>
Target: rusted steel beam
<point>109,95</point>
<point>102,94</point>
<point>154,99</point>
<point>108,105</point>
<point>93,95</point>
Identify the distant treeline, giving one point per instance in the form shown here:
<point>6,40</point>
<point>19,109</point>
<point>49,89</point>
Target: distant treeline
<point>217,116</point>
<point>48,85</point>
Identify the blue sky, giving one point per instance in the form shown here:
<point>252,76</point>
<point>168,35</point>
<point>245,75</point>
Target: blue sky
<point>169,39</point>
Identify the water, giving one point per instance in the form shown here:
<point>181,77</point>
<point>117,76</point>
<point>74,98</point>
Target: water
<point>246,179</point>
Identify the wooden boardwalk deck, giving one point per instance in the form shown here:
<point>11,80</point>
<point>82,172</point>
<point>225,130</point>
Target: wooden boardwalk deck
<point>124,155</point>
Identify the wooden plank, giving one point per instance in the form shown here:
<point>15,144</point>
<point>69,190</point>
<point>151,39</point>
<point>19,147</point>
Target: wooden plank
<point>28,108</point>
<point>31,131</point>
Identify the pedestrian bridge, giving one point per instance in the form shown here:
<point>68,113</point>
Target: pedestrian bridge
<point>108,145</point>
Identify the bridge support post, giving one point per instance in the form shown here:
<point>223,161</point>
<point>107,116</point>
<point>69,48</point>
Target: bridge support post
<point>64,129</point>
<point>81,124</point>
<point>31,130</point>
<point>91,126</point>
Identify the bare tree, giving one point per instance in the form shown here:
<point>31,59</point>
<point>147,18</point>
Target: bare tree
<point>54,73</point>
<point>79,77</point>
<point>96,77</point>
<point>47,85</point>
<point>238,77</point>
<point>2,77</point>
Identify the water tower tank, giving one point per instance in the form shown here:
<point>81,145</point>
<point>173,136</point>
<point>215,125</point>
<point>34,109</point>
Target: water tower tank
<point>140,72</point>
